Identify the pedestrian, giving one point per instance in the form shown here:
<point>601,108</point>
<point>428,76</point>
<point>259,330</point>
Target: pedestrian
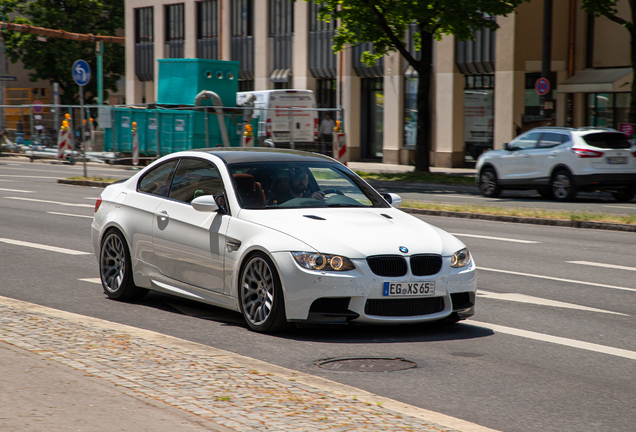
<point>326,132</point>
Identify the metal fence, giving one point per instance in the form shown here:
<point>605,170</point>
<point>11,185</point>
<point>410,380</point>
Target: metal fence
<point>107,130</point>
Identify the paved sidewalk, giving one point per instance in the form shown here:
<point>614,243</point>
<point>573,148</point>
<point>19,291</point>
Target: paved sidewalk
<point>62,371</point>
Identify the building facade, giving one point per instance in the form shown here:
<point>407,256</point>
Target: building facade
<point>485,90</point>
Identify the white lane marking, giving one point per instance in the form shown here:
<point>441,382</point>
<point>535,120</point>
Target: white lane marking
<point>557,340</point>
<point>522,298</point>
<point>16,190</point>
<point>51,202</point>
<point>622,207</point>
<point>593,264</point>
<point>559,279</point>
<point>69,214</point>
<point>494,238</point>
<point>43,247</point>
<point>27,176</point>
<point>92,280</point>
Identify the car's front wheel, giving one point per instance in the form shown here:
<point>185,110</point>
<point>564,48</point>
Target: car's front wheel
<point>488,183</point>
<point>261,295</point>
<point>563,187</point>
<point>115,269</point>
<point>626,194</point>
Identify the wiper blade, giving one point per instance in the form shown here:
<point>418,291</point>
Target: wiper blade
<point>344,205</point>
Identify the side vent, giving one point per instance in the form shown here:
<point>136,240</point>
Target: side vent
<point>314,217</point>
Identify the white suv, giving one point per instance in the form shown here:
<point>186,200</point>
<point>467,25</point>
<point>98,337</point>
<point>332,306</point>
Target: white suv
<point>559,162</point>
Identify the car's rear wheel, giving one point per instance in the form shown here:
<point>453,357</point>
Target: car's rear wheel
<point>626,194</point>
<point>563,187</point>
<point>115,269</point>
<point>261,295</point>
<point>488,183</point>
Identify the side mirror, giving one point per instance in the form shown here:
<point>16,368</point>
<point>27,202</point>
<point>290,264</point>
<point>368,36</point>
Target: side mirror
<point>506,146</point>
<point>394,199</point>
<point>205,203</point>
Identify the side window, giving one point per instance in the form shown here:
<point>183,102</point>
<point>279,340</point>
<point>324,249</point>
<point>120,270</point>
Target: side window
<point>194,178</point>
<point>552,139</point>
<point>526,141</point>
<point>157,180</point>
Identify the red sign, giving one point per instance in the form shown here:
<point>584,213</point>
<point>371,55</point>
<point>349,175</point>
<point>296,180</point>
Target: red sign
<point>627,129</point>
<point>38,107</point>
<point>542,86</point>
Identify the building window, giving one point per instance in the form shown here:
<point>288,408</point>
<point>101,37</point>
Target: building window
<point>242,21</point>
<point>281,30</point>
<point>607,109</point>
<point>479,114</point>
<point>372,118</point>
<point>323,62</point>
<point>411,82</point>
<point>208,29</point>
<point>144,44</point>
<point>174,31</point>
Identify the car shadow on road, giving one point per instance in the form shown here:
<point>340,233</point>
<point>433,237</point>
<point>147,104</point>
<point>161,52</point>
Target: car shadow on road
<point>345,334</point>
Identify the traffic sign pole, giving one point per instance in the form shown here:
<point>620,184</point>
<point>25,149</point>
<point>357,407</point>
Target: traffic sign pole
<point>82,75</point>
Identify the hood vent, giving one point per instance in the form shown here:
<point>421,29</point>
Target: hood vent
<point>314,217</point>
<point>386,216</point>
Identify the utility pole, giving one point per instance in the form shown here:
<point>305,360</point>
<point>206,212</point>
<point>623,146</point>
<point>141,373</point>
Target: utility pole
<point>546,57</point>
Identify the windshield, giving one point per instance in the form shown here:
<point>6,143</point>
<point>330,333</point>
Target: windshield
<point>266,185</point>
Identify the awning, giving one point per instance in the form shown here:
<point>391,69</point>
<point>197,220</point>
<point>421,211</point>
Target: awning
<point>280,75</point>
<point>598,81</point>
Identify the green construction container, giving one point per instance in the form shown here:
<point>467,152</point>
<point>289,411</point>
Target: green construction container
<point>180,80</point>
<point>176,129</point>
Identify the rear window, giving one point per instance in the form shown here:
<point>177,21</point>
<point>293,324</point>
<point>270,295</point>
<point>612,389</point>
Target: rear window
<point>607,140</point>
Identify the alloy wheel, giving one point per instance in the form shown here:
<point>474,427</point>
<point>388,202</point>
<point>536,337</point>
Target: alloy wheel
<point>113,263</point>
<point>488,183</point>
<point>561,186</point>
<point>257,291</point>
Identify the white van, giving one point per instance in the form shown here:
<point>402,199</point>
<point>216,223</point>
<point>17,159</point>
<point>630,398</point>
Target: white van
<point>285,126</point>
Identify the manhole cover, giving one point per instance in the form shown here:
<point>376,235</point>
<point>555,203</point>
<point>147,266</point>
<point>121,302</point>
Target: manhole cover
<point>366,364</point>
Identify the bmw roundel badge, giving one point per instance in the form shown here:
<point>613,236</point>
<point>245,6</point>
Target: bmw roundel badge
<point>403,249</point>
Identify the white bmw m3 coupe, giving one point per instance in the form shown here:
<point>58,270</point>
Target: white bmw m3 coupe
<point>280,236</point>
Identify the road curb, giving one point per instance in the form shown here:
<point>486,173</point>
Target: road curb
<point>89,183</point>
<point>524,220</point>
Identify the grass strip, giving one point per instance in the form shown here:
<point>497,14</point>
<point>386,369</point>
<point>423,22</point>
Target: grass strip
<point>420,177</point>
<point>95,179</point>
<point>527,212</point>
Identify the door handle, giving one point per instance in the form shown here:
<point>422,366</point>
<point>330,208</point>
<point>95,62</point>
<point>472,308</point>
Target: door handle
<point>163,215</point>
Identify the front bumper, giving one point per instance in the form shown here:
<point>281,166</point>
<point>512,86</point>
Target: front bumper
<point>357,295</point>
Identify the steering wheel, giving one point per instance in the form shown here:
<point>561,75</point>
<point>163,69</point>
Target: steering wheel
<point>332,191</point>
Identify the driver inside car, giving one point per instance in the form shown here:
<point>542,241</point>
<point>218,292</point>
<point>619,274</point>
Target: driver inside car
<point>298,187</point>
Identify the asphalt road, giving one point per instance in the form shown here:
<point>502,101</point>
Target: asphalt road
<point>552,346</point>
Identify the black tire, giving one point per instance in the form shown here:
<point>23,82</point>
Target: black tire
<point>115,269</point>
<point>488,184</point>
<point>562,186</point>
<point>261,295</point>
<point>626,194</point>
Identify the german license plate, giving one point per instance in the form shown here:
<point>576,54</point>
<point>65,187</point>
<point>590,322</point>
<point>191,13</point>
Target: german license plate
<point>616,160</point>
<point>399,289</point>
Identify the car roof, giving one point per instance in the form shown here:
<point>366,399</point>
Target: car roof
<point>232,155</point>
<point>584,129</point>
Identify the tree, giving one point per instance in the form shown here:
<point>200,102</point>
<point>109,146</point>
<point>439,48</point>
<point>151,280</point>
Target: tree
<point>385,24</point>
<point>607,8</point>
<point>52,60</point>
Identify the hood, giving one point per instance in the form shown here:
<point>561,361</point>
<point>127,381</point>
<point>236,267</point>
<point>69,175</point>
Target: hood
<point>356,233</point>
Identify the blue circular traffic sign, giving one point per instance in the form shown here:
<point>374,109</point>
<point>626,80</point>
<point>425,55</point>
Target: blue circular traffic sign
<point>542,86</point>
<point>81,72</point>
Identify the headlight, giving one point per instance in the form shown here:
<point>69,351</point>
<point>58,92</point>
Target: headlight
<point>323,262</point>
<point>461,258</point>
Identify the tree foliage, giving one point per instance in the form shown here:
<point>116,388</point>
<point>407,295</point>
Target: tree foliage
<point>609,9</point>
<point>385,23</point>
<point>52,60</point>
